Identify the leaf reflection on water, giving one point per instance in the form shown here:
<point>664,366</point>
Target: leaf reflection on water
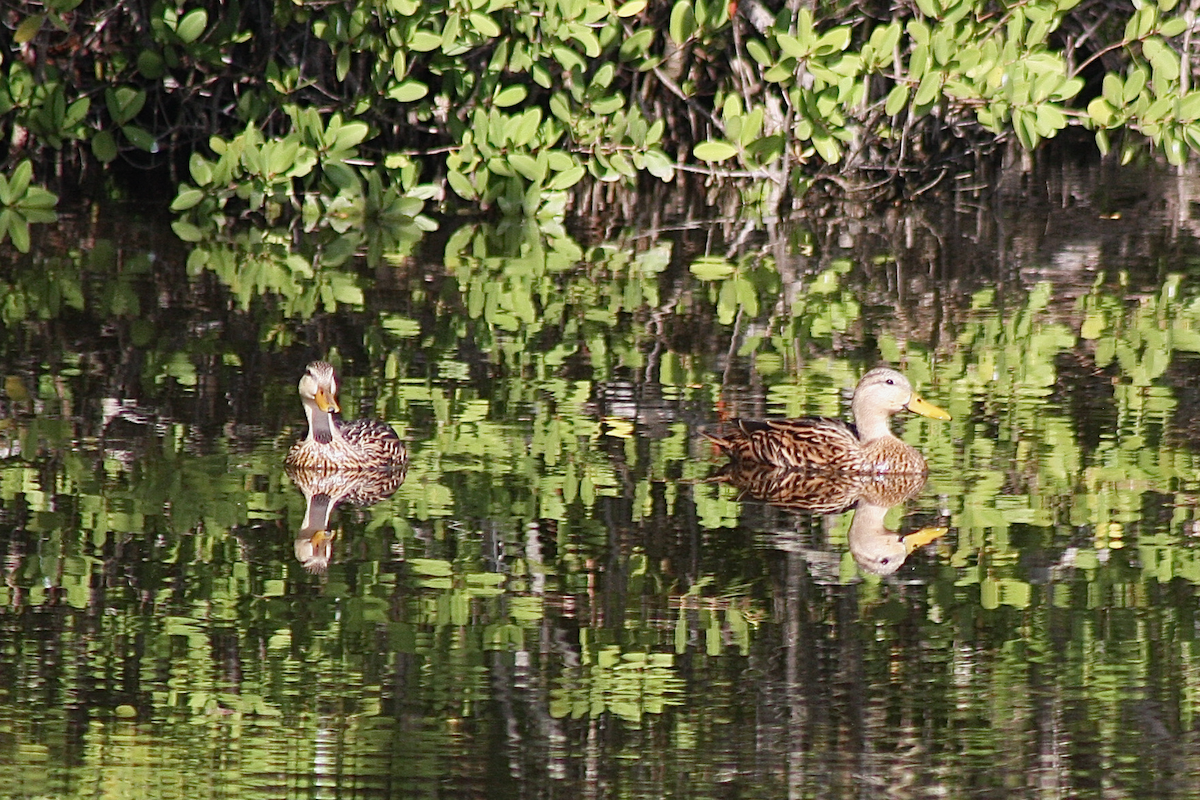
<point>555,599</point>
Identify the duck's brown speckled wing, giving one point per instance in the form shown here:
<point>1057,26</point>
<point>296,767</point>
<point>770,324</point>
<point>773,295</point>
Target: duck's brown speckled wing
<point>376,441</point>
<point>803,443</point>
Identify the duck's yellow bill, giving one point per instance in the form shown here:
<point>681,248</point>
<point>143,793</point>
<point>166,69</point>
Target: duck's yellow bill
<point>925,409</point>
<point>923,537</point>
<point>326,401</point>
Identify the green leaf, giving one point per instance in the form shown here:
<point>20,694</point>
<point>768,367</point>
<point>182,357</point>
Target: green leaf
<point>631,8</point>
<point>342,63</point>
<point>104,147</point>
<point>827,147</point>
<point>188,198</point>
<point>1141,23</point>
<point>77,111</point>
<point>568,59</point>
<point>637,45</point>
<point>1172,27</point>
<point>928,90</point>
<point>192,25</point>
<point>525,127</point>
<point>793,47</point>
<point>1024,123</point>
<point>714,150</point>
<point>658,165</point>
<point>834,40</point>
<point>124,103</point>
<point>584,35</point>
<point>461,186</point>
<point>408,92</point>
<point>150,64</point>
<point>423,41</point>
<point>1101,112</point>
<point>28,28</point>
<point>567,178</point>
<point>350,134</point>
<point>1050,120</point>
<point>530,168</point>
<point>18,231</point>
<point>759,52</point>
<point>430,566</point>
<point>1067,89</point>
<point>683,22</point>
<point>1189,107</point>
<point>484,25</point>
<point>896,100</point>
<point>140,138</point>
<point>1113,90</point>
<point>37,202</point>
<point>341,175</point>
<point>400,326</point>
<point>711,268</point>
<point>510,96</point>
<point>280,156</point>
<point>18,183</point>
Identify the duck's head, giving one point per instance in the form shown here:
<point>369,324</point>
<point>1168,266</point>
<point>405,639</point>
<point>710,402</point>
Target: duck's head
<point>314,552</point>
<point>318,387</point>
<point>884,392</point>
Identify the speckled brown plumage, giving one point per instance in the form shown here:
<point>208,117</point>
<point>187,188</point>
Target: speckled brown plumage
<point>816,491</point>
<point>324,490</point>
<point>332,444</point>
<point>831,445</point>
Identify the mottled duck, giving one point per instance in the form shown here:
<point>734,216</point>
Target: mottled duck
<point>332,443</point>
<point>831,445</point>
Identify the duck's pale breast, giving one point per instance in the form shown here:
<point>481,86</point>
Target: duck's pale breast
<point>311,454</point>
<point>891,456</point>
<point>364,444</point>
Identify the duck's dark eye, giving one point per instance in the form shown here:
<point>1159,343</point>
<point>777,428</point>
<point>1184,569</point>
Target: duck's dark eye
<point>891,382</point>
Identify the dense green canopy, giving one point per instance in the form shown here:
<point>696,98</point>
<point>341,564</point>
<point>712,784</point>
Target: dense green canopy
<point>328,111</point>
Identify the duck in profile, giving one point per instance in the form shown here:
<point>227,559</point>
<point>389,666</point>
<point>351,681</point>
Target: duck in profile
<point>831,445</point>
<point>333,444</point>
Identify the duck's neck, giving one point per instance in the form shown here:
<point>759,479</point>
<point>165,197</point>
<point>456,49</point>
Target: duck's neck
<point>321,427</point>
<point>316,514</point>
<point>868,521</point>
<point>871,425</point>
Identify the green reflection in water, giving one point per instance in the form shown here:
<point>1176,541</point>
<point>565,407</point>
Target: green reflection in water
<point>556,599</point>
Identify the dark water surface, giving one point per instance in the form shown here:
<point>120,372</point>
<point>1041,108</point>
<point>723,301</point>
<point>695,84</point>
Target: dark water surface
<point>557,602</point>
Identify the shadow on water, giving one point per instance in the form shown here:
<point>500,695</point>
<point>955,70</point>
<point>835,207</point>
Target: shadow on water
<point>557,598</point>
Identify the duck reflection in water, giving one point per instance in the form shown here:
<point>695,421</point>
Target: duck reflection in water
<point>323,491</point>
<point>875,548</point>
